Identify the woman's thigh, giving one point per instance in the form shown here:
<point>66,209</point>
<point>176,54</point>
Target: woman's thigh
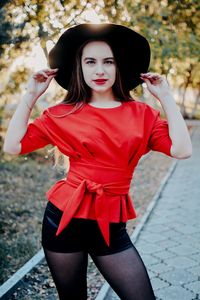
<point>65,255</point>
<point>69,272</point>
<point>126,274</point>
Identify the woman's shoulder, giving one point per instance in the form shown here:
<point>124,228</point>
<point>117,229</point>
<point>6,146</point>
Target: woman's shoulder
<point>59,110</point>
<point>144,109</point>
<point>137,105</point>
<point>140,103</point>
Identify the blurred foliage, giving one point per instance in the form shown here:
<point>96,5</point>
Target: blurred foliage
<point>172,28</point>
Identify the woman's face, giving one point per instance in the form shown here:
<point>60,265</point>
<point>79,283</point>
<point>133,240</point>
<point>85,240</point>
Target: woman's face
<point>97,62</point>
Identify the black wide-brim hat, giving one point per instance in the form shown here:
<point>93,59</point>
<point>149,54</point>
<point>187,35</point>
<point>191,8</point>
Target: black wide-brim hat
<point>130,49</point>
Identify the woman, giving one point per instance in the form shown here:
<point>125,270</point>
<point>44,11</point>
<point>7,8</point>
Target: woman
<point>104,131</point>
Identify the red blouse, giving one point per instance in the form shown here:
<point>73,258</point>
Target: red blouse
<point>104,146</point>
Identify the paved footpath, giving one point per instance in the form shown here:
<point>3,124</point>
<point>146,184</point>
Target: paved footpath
<point>169,242</point>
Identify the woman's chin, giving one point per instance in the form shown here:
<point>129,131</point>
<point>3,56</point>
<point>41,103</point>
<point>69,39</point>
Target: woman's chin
<point>101,89</point>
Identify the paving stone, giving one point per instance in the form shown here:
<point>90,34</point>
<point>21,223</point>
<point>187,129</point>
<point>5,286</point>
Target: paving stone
<point>164,205</point>
<point>151,274</point>
<point>188,229</point>
<point>156,221</point>
<point>174,194</point>
<point>170,213</point>
<point>178,277</point>
<point>178,222</point>
<point>156,228</point>
<point>152,237</point>
<point>174,235</point>
<point>159,268</point>
<point>147,248</point>
<point>196,235</point>
<point>194,286</point>
<point>164,254</point>
<point>167,244</point>
<point>140,243</point>
<point>182,262</point>
<point>158,283</point>
<point>195,270</point>
<point>149,259</point>
<point>196,257</point>
<point>192,241</point>
<point>173,219</point>
<point>184,250</point>
<point>174,293</point>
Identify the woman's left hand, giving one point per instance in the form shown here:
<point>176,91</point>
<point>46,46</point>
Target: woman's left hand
<point>156,84</point>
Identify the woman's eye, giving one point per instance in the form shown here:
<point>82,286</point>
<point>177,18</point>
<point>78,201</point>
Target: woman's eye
<point>108,61</point>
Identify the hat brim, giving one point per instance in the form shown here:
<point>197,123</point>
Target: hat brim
<point>130,49</point>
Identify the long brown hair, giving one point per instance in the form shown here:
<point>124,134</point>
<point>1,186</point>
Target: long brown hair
<point>79,93</point>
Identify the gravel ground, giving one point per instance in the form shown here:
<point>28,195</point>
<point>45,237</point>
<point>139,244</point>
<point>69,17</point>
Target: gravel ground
<point>22,189</point>
<point>147,177</point>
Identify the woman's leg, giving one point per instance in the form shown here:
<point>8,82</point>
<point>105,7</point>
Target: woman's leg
<point>126,274</point>
<point>69,272</point>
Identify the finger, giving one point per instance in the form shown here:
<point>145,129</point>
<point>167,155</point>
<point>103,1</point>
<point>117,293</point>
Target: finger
<point>43,75</point>
<point>152,79</point>
<point>49,70</point>
<point>40,74</point>
<point>155,75</point>
<point>52,71</point>
<point>50,78</point>
<point>46,72</point>
<point>151,76</point>
<point>147,81</point>
<point>151,73</point>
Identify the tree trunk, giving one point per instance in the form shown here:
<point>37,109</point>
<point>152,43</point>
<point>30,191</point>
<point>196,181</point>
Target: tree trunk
<point>197,101</point>
<point>187,83</point>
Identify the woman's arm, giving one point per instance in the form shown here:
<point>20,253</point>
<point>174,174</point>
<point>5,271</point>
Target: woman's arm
<point>178,132</point>
<point>18,124</point>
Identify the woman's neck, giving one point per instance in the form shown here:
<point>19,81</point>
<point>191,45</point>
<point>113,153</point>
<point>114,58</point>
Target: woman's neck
<point>105,98</point>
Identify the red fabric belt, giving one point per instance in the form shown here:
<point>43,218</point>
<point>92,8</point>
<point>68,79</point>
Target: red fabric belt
<point>81,183</point>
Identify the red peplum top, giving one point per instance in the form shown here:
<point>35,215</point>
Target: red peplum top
<point>104,146</point>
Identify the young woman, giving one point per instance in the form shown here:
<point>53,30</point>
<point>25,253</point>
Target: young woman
<point>104,132</point>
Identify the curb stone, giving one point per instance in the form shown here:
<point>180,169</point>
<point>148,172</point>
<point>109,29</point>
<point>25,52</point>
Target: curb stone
<point>8,287</point>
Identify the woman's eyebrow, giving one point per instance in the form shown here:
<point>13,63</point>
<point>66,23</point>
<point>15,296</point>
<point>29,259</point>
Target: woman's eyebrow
<point>94,58</point>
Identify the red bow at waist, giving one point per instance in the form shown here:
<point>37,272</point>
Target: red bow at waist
<point>82,183</point>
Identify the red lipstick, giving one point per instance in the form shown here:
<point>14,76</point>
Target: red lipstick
<point>100,81</point>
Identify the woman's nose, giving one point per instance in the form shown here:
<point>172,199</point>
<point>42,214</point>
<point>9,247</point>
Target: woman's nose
<point>99,69</point>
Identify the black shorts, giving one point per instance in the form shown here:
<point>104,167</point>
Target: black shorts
<point>81,235</point>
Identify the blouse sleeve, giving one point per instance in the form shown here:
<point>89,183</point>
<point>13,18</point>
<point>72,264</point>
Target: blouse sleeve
<point>36,135</point>
<point>159,139</point>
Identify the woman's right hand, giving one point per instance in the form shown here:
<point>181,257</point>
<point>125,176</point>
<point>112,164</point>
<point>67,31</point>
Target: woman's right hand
<point>39,82</point>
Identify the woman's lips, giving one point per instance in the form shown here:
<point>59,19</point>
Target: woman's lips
<point>100,82</point>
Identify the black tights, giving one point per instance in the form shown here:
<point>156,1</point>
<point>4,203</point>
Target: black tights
<point>124,271</point>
